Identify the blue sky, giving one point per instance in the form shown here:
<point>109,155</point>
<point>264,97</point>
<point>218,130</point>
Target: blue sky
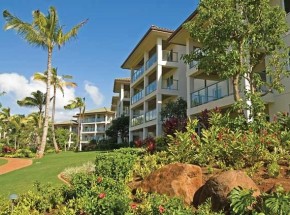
<point>95,57</point>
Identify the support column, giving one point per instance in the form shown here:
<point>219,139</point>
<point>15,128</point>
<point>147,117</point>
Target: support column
<point>145,133</point>
<point>121,100</point>
<point>248,111</point>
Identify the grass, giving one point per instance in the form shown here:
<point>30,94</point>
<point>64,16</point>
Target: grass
<point>2,161</point>
<point>43,170</point>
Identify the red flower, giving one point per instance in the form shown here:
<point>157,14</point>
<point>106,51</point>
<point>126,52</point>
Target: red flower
<point>99,179</point>
<point>161,209</point>
<point>102,195</point>
<point>133,206</point>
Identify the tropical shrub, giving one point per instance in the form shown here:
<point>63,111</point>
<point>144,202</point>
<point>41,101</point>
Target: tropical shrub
<point>86,168</point>
<point>116,164</point>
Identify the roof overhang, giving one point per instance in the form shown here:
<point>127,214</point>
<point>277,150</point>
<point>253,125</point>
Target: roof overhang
<point>118,82</point>
<point>147,42</point>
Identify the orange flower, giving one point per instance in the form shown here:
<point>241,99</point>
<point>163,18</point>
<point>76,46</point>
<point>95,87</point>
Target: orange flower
<point>133,206</point>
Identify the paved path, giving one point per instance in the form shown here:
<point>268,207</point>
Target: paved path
<point>14,164</point>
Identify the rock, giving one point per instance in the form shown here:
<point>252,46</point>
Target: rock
<point>174,180</point>
<point>218,188</point>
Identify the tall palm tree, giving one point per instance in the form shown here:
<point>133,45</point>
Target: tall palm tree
<point>37,99</point>
<point>58,82</point>
<point>81,105</point>
<point>17,123</point>
<point>45,32</point>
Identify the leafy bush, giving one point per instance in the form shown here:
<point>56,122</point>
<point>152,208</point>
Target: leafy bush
<point>116,164</point>
<point>87,168</point>
<point>242,202</point>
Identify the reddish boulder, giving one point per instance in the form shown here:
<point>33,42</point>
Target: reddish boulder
<point>218,188</point>
<point>175,180</point>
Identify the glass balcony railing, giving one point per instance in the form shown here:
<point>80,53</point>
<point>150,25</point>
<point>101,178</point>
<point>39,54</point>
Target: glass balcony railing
<point>150,88</point>
<point>213,92</point>
<point>88,138</point>
<point>151,61</point>
<point>137,73</point>
<point>150,115</point>
<point>101,129</point>
<point>170,84</point>
<point>169,56</point>
<point>88,129</point>
<point>193,64</point>
<point>88,120</point>
<point>137,120</point>
<point>137,97</point>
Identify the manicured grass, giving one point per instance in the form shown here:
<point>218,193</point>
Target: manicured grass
<point>43,170</point>
<point>2,161</point>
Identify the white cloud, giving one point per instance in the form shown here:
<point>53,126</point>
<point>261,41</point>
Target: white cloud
<point>94,93</point>
<point>17,87</point>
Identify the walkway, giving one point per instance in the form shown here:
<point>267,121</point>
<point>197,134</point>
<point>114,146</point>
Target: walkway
<point>14,164</point>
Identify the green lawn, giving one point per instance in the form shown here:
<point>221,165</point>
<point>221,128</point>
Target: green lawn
<point>43,170</point>
<point>2,161</point>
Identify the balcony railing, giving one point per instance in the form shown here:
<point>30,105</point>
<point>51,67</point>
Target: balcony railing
<point>151,61</point>
<point>137,120</point>
<point>150,88</point>
<point>101,129</point>
<point>193,64</point>
<point>169,56</point>
<point>88,129</point>
<point>137,73</point>
<point>87,120</point>
<point>170,85</point>
<point>150,115</point>
<point>126,94</point>
<point>213,92</point>
<point>137,97</point>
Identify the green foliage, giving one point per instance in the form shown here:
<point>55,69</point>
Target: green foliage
<point>148,163</point>
<point>120,126</point>
<point>175,109</point>
<point>62,138</point>
<point>242,201</point>
<point>116,164</point>
<point>158,204</point>
<point>86,168</point>
<point>205,209</point>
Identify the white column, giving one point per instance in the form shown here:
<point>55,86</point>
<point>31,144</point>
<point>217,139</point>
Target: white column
<point>187,51</point>
<point>121,99</point>
<point>159,87</point>
<point>145,133</point>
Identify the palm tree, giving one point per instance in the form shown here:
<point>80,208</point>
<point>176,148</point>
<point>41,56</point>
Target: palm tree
<point>37,99</point>
<point>45,32</point>
<point>57,83</point>
<point>81,105</point>
<point>5,117</point>
<point>17,122</point>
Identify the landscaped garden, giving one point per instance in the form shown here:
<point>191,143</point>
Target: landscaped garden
<point>142,180</point>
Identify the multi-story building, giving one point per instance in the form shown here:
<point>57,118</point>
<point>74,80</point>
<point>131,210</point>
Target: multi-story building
<point>94,124</point>
<point>157,76</point>
<point>121,102</point>
<point>71,126</point>
<point>210,91</point>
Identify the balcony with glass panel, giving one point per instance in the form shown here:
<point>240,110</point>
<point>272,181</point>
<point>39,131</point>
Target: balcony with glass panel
<point>210,93</point>
<point>170,84</point>
<point>88,120</point>
<point>151,61</point>
<point>169,56</point>
<point>150,115</point>
<point>138,120</point>
<point>88,129</point>
<point>137,73</point>
<point>101,129</point>
<point>150,88</point>
<point>137,97</point>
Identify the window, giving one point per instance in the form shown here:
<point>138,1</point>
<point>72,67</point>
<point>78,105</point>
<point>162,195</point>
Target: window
<point>169,82</point>
<point>287,6</point>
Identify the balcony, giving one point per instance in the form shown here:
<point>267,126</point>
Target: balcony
<point>92,129</point>
<point>101,129</point>
<point>88,120</point>
<point>137,120</point>
<point>211,93</point>
<point>150,88</point>
<point>151,61</point>
<point>137,97</point>
<point>169,56</point>
<point>170,84</point>
<point>137,73</point>
<point>193,64</point>
<point>126,94</point>
<point>150,115</point>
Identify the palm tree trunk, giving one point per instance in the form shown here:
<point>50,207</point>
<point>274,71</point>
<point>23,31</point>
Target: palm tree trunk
<point>79,131</point>
<point>52,119</point>
<point>41,149</point>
